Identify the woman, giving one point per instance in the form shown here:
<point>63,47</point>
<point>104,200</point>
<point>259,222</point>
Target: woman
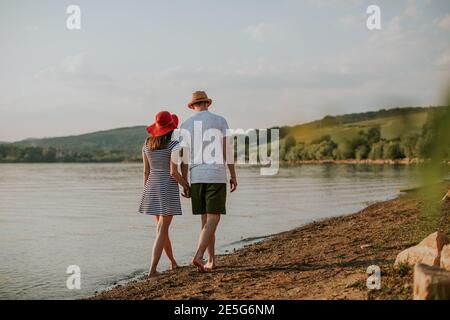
<point>161,178</point>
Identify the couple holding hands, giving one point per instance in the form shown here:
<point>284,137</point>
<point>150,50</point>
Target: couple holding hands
<point>169,163</point>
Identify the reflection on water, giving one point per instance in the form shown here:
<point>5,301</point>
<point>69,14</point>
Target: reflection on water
<point>56,215</point>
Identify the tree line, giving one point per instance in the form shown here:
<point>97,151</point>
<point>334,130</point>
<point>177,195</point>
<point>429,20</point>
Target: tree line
<point>369,144</point>
<point>10,153</point>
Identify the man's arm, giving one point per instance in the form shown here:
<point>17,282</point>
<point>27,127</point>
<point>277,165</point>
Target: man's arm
<point>184,165</point>
<point>228,156</point>
<point>233,178</point>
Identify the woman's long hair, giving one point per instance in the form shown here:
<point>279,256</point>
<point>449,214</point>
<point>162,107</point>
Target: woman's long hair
<point>161,142</point>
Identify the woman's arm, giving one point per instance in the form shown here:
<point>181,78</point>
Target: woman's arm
<point>184,163</point>
<point>175,173</point>
<point>146,167</point>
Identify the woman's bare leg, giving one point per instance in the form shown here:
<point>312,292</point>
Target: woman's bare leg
<point>169,253</point>
<point>158,246</point>
<point>168,250</point>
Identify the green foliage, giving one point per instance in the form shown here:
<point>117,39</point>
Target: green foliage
<point>391,151</point>
<point>127,140</point>
<point>373,135</point>
<point>376,151</point>
<point>392,124</point>
<point>362,152</point>
<point>296,153</point>
<point>385,134</point>
<point>435,141</point>
<point>408,145</point>
<point>344,151</point>
<point>13,153</point>
<point>289,142</point>
<point>286,145</point>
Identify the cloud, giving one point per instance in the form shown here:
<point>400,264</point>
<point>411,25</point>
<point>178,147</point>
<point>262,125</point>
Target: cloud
<point>444,22</point>
<point>374,73</point>
<point>260,32</point>
<point>68,67</point>
<point>76,72</point>
<point>307,68</point>
<point>73,64</point>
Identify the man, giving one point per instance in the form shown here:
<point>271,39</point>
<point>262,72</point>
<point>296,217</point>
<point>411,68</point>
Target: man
<point>207,171</point>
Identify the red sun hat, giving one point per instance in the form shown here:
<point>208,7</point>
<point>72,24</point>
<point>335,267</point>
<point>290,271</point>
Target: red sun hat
<point>164,123</point>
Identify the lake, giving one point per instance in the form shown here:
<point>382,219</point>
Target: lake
<point>56,215</point>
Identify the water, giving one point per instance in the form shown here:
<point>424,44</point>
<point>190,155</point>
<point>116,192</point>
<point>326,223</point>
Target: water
<point>56,215</point>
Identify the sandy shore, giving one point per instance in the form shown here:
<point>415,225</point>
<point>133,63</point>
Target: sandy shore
<point>323,260</point>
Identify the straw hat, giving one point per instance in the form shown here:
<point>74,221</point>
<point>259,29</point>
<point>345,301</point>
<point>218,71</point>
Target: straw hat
<point>199,96</point>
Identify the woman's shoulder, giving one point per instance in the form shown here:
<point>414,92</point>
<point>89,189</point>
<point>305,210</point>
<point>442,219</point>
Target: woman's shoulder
<point>145,145</point>
<point>173,144</point>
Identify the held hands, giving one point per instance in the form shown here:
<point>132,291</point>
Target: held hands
<point>186,191</point>
<point>233,184</point>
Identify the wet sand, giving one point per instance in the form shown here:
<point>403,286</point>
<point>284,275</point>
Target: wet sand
<point>322,260</point>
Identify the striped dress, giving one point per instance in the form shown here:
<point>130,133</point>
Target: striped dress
<point>161,194</point>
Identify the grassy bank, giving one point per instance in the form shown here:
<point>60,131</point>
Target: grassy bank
<point>322,260</point>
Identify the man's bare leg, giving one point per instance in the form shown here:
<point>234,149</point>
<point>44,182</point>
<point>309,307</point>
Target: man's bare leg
<point>211,264</point>
<point>208,231</point>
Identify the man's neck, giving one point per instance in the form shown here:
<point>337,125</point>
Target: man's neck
<point>201,109</point>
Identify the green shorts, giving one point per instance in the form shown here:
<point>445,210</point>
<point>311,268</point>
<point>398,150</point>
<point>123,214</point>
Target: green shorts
<point>208,198</point>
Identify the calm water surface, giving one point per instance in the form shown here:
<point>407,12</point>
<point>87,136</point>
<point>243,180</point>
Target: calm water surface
<point>56,215</point>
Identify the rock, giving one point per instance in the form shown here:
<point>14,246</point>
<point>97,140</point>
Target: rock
<point>431,283</point>
<point>428,251</point>
<point>435,240</point>
<point>445,257</point>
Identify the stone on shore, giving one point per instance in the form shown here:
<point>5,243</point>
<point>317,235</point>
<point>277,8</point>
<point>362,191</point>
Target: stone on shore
<point>445,257</point>
<point>431,283</point>
<point>428,251</point>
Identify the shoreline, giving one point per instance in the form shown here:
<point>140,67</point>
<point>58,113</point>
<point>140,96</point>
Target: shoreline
<point>325,259</point>
<point>405,161</point>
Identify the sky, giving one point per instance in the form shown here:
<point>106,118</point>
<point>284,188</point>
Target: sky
<point>264,63</point>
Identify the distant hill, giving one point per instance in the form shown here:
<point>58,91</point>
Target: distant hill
<point>126,140</point>
<point>393,123</point>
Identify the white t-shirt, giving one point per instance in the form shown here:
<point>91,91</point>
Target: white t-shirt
<point>206,131</point>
